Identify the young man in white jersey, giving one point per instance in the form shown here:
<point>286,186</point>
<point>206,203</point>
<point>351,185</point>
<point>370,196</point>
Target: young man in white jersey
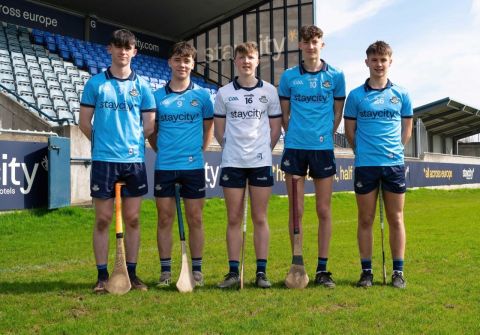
<point>312,96</point>
<point>378,123</point>
<point>183,131</point>
<point>247,125</point>
<point>123,111</point>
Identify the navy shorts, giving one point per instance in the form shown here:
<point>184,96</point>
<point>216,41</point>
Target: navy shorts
<point>192,183</point>
<point>367,178</point>
<point>234,177</point>
<point>104,175</point>
<point>319,163</point>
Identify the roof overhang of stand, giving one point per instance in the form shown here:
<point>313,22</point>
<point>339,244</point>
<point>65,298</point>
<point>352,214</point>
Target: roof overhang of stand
<point>173,19</point>
<point>449,118</point>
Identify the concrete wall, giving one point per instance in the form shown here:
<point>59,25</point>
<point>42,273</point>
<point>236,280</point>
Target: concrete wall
<point>469,149</point>
<point>79,166</point>
<point>15,116</point>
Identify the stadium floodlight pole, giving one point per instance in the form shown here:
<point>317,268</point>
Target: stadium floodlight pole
<point>185,282</point>
<point>244,235</point>
<point>297,276</point>
<point>380,200</point>
<point>119,281</point>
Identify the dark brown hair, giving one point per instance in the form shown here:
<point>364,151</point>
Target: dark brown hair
<point>379,48</point>
<point>309,32</point>
<point>182,49</point>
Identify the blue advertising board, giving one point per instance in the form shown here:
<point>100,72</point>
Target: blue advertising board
<point>101,32</point>
<point>32,15</point>
<point>23,175</point>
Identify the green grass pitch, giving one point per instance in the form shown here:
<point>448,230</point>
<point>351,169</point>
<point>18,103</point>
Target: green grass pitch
<point>47,271</point>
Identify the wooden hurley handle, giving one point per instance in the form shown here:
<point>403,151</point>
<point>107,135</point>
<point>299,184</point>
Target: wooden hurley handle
<point>118,209</point>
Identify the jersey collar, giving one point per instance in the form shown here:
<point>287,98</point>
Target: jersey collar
<point>368,88</point>
<point>109,75</point>
<point>168,90</point>
<point>324,68</point>
<point>237,86</point>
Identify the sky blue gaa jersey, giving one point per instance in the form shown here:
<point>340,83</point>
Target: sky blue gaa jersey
<point>180,117</point>
<point>311,96</point>
<point>117,130</point>
<point>379,114</point>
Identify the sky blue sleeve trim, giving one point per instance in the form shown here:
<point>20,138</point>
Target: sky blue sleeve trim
<point>349,117</point>
<point>221,116</point>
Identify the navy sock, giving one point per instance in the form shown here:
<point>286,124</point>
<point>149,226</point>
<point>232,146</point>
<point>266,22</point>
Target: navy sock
<point>262,265</point>
<point>132,270</point>
<point>322,264</point>
<point>398,265</point>
<point>366,265</point>
<point>197,264</point>
<point>166,264</point>
<point>102,271</point>
<point>233,266</point>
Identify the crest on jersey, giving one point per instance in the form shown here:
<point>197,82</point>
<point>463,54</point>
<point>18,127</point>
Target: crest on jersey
<point>394,100</point>
<point>194,103</point>
<point>263,99</point>
<point>326,84</point>
<point>134,93</point>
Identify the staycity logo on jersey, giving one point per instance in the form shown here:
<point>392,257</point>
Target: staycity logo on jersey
<point>380,114</point>
<point>14,172</point>
<point>252,114</point>
<point>119,106</point>
<point>322,98</point>
<point>184,117</point>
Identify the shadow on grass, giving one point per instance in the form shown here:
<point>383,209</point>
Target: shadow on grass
<point>42,287</point>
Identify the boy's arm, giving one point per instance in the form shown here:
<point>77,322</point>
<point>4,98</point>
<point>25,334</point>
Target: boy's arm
<point>285,106</point>
<point>85,123</point>
<point>338,110</point>
<point>148,119</point>
<point>407,126</point>
<point>207,133</point>
<point>350,127</point>
<point>219,129</point>
<point>275,130</point>
<point>152,139</point>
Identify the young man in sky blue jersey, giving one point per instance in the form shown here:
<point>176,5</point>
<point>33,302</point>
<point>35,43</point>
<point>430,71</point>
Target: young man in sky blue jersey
<point>183,131</point>
<point>378,123</point>
<point>312,96</point>
<point>123,111</point>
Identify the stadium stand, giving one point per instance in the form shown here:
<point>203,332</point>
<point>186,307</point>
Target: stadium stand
<point>47,72</point>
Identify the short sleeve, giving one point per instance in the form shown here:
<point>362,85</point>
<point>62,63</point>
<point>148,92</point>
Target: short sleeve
<point>148,101</point>
<point>283,88</point>
<point>339,92</point>
<point>407,110</point>
<point>89,95</point>
<point>219,109</point>
<point>207,106</point>
<point>350,112</point>
<point>274,105</point>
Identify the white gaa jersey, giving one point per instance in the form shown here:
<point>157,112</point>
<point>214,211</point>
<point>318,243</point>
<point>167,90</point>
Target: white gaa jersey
<point>246,141</point>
